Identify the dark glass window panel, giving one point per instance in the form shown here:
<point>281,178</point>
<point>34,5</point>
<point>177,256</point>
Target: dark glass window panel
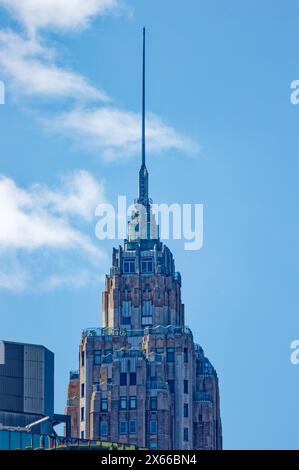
<point>123,378</point>
<point>153,403</point>
<point>123,427</point>
<point>132,378</point>
<point>132,426</point>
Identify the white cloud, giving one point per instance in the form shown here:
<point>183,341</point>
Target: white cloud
<point>117,132</point>
<point>79,196</point>
<point>39,217</point>
<point>12,276</point>
<point>33,72</point>
<point>44,220</point>
<point>75,280</point>
<point>57,14</point>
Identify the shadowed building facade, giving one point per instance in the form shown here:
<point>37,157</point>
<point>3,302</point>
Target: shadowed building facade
<point>26,384</point>
<point>142,379</point>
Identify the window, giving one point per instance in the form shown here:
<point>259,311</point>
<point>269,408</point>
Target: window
<point>171,386</point>
<point>186,434</point>
<point>132,378</point>
<point>82,413</point>
<point>133,403</point>
<point>147,313</point>
<point>132,426</point>
<point>152,370</point>
<point>123,427</point>
<point>185,386</point>
<point>123,403</point>
<point>186,410</point>
<point>147,265</point>
<point>82,358</point>
<point>82,434</point>
<point>170,354</point>
<point>129,266</point>
<point>153,426</point>
<point>107,359</point>
<point>104,404</point>
<point>147,321</point>
<point>123,378</point>
<point>185,355</point>
<point>104,428</point>
<point>159,350</point>
<point>126,310</point>
<point>82,390</point>
<point>153,403</point>
<point>97,358</point>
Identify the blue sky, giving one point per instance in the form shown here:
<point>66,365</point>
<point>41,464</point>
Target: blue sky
<point>221,132</point>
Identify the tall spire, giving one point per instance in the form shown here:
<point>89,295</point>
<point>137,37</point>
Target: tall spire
<point>143,173</point>
<point>142,225</point>
<point>143,100</point>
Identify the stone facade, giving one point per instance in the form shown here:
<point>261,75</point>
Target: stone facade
<point>73,402</point>
<point>142,379</point>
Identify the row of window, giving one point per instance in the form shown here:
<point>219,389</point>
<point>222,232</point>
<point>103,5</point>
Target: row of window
<point>127,427</point>
<point>146,266</point>
<point>132,402</point>
<point>123,378</point>
<point>97,357</point>
<point>132,381</point>
<point>146,320</point>
<point>124,402</point>
<point>171,386</point>
<point>130,427</point>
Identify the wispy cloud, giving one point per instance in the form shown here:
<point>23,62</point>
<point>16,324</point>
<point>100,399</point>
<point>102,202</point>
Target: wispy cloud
<point>58,14</point>
<point>116,133</point>
<point>33,70</point>
<point>40,220</point>
<point>74,280</point>
<point>13,277</point>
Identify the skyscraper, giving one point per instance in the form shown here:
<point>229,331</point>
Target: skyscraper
<point>142,378</point>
